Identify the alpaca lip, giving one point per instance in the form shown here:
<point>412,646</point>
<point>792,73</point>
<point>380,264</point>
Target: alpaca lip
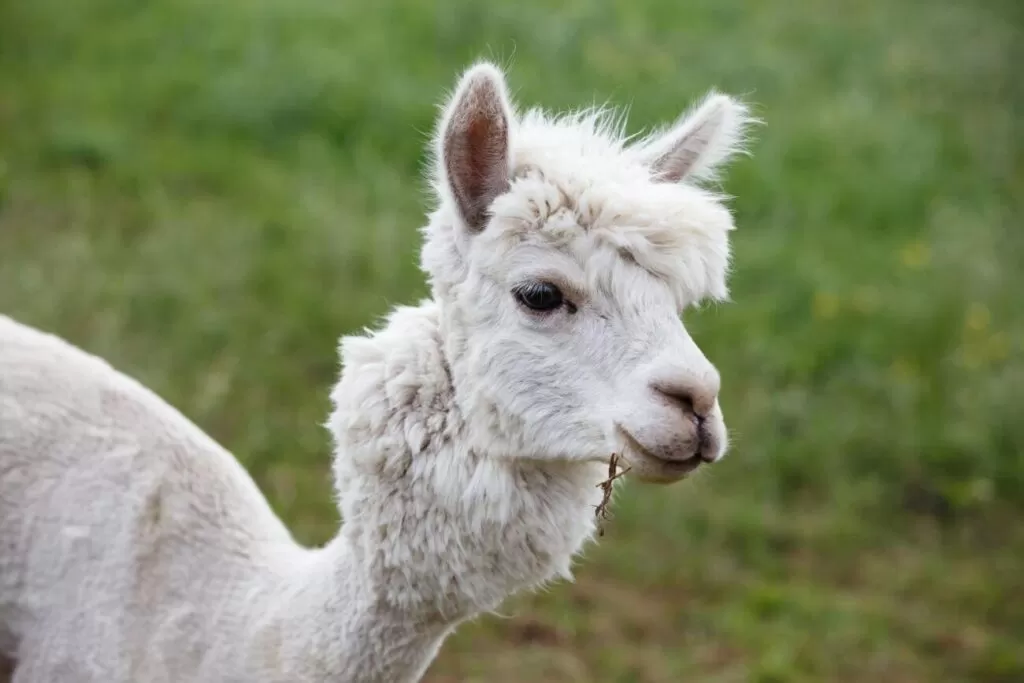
<point>704,444</point>
<point>680,467</point>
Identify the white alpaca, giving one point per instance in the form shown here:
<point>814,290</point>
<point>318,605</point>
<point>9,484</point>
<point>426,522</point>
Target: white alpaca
<point>471,431</point>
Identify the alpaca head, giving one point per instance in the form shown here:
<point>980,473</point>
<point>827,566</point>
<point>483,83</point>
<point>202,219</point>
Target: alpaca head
<point>563,254</point>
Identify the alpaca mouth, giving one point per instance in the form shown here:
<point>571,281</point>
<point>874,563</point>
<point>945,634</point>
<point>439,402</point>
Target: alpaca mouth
<point>677,468</point>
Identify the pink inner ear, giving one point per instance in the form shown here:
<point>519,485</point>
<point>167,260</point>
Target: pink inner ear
<point>677,161</point>
<point>476,155</point>
<point>486,141</point>
<point>673,166</point>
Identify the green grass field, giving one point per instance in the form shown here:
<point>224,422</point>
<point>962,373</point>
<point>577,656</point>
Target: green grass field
<point>209,194</point>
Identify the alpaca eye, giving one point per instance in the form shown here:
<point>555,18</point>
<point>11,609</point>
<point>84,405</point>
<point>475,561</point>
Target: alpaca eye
<point>540,296</point>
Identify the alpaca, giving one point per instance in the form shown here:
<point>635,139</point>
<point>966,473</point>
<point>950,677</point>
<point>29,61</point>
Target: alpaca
<point>471,431</point>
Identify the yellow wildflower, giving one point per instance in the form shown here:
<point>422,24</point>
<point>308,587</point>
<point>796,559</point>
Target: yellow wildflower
<point>999,346</point>
<point>826,305</point>
<point>978,317</point>
<point>916,255</point>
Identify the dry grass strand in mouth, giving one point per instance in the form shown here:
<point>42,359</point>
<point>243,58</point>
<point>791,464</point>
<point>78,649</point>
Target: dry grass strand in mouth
<point>601,509</point>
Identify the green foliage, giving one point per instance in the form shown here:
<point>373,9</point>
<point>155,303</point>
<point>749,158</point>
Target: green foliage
<point>208,194</point>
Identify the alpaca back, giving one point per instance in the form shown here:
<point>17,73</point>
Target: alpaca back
<point>126,533</point>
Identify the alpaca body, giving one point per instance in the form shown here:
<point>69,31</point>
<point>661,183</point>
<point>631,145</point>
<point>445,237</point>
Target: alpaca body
<point>122,525</point>
<point>471,432</point>
<point>136,548</point>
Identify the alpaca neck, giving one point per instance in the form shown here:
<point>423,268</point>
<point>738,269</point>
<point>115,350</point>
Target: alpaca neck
<point>434,531</point>
<point>377,602</point>
<point>329,622</point>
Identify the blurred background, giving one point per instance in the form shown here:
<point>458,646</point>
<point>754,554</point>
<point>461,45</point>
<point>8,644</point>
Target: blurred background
<point>209,193</point>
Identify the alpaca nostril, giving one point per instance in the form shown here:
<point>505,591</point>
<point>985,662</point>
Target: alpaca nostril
<point>681,398</point>
<point>696,401</point>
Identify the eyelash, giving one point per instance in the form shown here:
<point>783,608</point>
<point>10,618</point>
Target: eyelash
<point>542,297</point>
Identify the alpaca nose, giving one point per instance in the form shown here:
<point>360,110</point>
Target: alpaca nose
<point>696,397</point>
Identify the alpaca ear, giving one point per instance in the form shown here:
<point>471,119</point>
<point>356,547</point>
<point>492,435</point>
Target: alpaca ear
<point>700,143</point>
<point>474,143</point>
